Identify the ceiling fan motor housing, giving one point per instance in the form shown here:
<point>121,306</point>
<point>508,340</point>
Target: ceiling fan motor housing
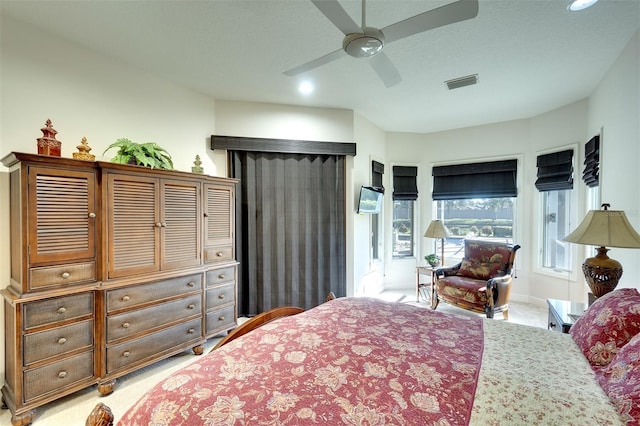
<point>365,44</point>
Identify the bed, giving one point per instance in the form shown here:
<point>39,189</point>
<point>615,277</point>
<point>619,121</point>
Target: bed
<point>363,361</point>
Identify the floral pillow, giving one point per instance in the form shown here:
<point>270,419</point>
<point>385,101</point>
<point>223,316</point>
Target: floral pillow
<point>621,380</point>
<point>480,270</point>
<point>609,323</point>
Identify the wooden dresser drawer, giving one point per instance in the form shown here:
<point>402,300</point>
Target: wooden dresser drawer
<point>58,309</point>
<point>46,344</point>
<point>222,275</point>
<point>221,295</point>
<point>55,377</point>
<point>218,254</point>
<point>130,323</point>
<point>137,295</point>
<point>129,353</point>
<point>221,319</point>
<point>53,276</point>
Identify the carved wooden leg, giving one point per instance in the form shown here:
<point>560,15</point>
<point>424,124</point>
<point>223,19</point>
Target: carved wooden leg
<point>198,350</point>
<point>4,404</point>
<point>23,419</point>
<point>107,387</point>
<point>101,415</point>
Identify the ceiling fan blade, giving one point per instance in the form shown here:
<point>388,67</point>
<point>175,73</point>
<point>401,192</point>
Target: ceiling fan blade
<point>315,63</point>
<point>385,69</point>
<point>337,15</point>
<point>460,10</point>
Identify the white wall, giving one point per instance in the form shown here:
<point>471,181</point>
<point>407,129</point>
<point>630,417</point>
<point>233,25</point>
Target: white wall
<point>614,108</point>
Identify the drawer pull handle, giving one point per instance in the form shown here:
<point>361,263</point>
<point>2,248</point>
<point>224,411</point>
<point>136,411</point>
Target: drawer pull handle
<point>191,331</point>
<point>126,354</point>
<point>206,214</point>
<point>221,296</point>
<point>92,215</point>
<point>158,225</point>
<point>62,310</point>
<point>552,324</point>
<point>62,374</point>
<point>125,298</point>
<point>65,275</point>
<point>191,306</point>
<point>62,341</point>
<point>219,254</point>
<point>125,325</point>
<point>221,276</point>
<point>221,318</point>
<point>190,284</point>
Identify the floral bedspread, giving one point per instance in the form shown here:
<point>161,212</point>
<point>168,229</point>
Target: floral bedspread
<point>361,361</point>
<point>351,361</point>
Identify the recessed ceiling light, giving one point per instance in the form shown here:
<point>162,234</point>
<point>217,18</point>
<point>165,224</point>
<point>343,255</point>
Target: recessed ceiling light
<point>581,4</point>
<point>306,87</point>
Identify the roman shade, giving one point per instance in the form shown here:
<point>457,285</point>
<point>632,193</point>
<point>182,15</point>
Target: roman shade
<point>377,170</point>
<point>591,173</point>
<point>405,186</point>
<point>494,179</point>
<point>555,171</point>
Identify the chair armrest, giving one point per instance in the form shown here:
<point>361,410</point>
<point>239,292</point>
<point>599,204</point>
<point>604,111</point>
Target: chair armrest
<point>500,289</point>
<point>446,271</point>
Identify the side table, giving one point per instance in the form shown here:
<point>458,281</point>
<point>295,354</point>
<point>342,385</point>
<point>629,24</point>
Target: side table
<point>563,314</point>
<point>424,288</point>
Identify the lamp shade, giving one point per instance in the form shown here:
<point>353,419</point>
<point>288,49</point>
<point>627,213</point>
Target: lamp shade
<point>609,228</point>
<point>436,229</point>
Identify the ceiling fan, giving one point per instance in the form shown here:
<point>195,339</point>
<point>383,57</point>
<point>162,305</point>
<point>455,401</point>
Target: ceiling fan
<point>368,42</point>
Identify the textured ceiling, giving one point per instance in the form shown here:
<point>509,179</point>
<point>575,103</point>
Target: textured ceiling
<point>531,56</point>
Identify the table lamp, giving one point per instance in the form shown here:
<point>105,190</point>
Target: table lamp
<point>604,228</point>
<point>437,230</point>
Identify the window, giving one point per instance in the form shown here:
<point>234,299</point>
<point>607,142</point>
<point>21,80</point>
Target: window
<point>555,183</point>
<point>556,254</point>
<point>405,192</point>
<point>403,228</point>
<point>475,200</point>
<point>377,170</point>
<point>478,218</point>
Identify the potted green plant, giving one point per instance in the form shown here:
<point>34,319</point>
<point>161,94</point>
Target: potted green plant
<point>432,259</point>
<point>147,154</point>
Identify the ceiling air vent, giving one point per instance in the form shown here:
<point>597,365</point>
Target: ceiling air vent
<point>456,83</point>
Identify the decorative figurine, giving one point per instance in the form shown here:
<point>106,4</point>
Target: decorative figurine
<point>48,144</point>
<point>83,153</point>
<point>197,168</point>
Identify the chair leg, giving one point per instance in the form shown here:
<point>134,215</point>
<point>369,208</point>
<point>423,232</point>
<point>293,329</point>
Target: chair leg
<point>434,302</point>
<point>505,314</point>
<point>489,311</point>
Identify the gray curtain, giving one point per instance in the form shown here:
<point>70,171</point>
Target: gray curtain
<point>290,229</point>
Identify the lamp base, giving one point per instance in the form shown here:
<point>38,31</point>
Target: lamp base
<point>601,272</point>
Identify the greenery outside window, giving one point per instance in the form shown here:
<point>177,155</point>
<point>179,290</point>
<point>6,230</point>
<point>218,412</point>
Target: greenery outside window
<point>477,218</point>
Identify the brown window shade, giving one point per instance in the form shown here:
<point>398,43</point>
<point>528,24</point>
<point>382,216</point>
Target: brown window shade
<point>591,173</point>
<point>405,186</point>
<point>494,179</point>
<point>377,170</point>
<point>555,171</point>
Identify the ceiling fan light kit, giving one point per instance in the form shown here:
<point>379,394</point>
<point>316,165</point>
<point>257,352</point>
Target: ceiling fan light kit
<point>365,44</point>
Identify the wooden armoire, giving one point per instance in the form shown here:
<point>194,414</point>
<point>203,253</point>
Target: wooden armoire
<point>113,267</point>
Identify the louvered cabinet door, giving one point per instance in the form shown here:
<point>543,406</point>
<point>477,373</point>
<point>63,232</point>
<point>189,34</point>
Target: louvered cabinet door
<point>180,232</point>
<point>61,218</point>
<point>133,225</point>
<point>219,223</point>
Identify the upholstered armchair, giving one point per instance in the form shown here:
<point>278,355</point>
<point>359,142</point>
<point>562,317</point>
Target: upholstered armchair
<point>481,282</point>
